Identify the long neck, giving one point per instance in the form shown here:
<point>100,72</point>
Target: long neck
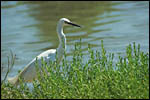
<point>61,36</point>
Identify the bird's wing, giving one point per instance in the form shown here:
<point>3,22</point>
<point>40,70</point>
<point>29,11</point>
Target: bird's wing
<point>49,54</point>
<point>29,71</point>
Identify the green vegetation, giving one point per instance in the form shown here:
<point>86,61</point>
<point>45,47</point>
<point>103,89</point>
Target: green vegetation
<point>99,77</point>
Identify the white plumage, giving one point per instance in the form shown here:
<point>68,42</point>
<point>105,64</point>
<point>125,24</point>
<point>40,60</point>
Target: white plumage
<point>29,72</point>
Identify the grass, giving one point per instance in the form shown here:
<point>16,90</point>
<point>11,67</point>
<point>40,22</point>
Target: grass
<point>100,77</point>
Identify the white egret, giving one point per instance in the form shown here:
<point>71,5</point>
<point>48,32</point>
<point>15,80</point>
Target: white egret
<point>29,72</point>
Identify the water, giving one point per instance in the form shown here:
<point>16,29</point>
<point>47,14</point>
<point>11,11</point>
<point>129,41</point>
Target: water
<point>29,28</point>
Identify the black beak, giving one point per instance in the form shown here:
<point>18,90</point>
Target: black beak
<point>70,23</point>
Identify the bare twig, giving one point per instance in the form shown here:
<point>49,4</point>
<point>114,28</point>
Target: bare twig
<point>10,65</point>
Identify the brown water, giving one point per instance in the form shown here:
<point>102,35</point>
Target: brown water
<point>29,28</point>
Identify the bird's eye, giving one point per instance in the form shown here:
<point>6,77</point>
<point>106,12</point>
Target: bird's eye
<point>65,22</point>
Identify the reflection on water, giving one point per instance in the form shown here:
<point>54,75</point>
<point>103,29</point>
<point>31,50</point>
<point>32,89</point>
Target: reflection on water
<point>29,28</point>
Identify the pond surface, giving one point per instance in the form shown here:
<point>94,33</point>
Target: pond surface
<point>29,28</point>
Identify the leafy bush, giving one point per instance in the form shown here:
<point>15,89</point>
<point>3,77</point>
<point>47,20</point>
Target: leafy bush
<point>99,77</point>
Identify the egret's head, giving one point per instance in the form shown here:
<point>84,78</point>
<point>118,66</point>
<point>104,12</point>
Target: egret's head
<point>66,21</point>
